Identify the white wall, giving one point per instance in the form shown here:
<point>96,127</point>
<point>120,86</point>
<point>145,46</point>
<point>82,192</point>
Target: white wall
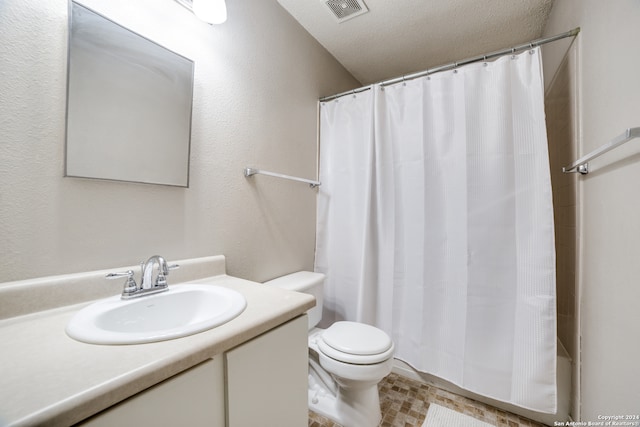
<point>609,201</point>
<point>257,80</point>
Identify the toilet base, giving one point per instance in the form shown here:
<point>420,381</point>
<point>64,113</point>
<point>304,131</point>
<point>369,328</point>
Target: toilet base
<point>346,394</point>
<point>354,408</point>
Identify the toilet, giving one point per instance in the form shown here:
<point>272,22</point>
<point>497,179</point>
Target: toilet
<point>346,360</point>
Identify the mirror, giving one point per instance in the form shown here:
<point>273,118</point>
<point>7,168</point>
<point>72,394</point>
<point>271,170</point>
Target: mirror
<point>129,104</point>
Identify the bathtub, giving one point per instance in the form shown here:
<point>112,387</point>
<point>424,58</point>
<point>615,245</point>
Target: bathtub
<point>563,373</point>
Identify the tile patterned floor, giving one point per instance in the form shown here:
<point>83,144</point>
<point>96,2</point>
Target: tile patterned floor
<point>404,403</point>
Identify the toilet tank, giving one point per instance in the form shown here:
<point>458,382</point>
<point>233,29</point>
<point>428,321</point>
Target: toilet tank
<point>306,282</point>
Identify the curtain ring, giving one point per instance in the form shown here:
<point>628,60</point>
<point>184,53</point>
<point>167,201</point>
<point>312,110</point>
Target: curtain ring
<point>484,58</point>
<point>404,83</point>
<point>353,92</point>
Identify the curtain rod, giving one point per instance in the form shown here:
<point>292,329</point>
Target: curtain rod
<point>492,55</point>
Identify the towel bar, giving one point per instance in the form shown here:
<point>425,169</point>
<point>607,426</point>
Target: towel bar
<point>582,164</point>
<point>250,172</point>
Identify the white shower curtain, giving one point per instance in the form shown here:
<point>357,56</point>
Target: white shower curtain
<point>435,223</point>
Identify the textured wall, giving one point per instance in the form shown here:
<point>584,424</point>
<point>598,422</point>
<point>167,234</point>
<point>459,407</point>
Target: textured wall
<point>608,203</point>
<point>257,80</point>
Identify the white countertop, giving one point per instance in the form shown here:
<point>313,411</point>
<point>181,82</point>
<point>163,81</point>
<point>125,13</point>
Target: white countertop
<point>47,378</point>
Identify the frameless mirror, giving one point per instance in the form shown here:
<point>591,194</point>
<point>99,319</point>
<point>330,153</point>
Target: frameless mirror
<point>128,104</point>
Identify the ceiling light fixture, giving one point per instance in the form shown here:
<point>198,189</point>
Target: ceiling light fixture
<point>211,11</point>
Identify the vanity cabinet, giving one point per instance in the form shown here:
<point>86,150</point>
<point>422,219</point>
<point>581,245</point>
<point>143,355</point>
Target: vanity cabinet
<point>193,398</point>
<point>267,378</point>
<point>262,382</point>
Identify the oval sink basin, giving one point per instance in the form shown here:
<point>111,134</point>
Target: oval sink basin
<point>182,310</point>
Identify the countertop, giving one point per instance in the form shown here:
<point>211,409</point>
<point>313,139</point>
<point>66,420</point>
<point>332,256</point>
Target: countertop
<point>48,378</point>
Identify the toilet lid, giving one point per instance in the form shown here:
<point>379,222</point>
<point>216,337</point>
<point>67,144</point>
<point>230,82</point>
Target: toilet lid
<point>356,343</point>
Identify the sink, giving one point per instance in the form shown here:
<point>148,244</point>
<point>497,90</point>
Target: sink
<point>182,310</point>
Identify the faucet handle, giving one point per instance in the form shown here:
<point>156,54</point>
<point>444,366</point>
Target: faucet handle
<point>130,285</point>
<point>161,281</point>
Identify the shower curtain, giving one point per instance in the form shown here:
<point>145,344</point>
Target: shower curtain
<point>435,223</point>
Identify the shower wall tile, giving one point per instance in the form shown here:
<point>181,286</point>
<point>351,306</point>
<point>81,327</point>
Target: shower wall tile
<point>560,105</point>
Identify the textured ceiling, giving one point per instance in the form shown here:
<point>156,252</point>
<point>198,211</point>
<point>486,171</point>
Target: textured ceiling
<point>398,37</point>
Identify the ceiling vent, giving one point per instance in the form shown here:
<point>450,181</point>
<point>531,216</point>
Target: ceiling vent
<point>344,10</point>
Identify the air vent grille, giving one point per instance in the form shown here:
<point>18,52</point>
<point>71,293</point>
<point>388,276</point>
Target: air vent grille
<point>346,9</point>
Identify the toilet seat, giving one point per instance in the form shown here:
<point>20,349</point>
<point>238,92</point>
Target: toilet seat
<point>356,343</point>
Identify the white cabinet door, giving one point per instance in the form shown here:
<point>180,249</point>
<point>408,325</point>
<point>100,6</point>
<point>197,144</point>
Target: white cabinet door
<point>193,398</point>
<point>267,378</point>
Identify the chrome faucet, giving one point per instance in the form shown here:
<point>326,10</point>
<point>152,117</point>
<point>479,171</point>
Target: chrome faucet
<point>147,285</point>
<point>147,273</point>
